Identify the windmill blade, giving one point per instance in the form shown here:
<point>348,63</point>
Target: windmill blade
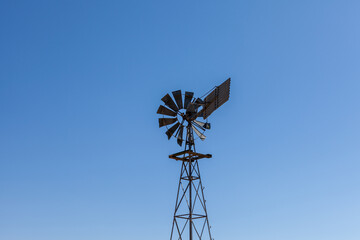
<point>201,136</point>
<point>188,98</point>
<point>166,121</point>
<point>216,98</point>
<point>165,111</point>
<point>169,102</point>
<point>178,98</point>
<point>202,124</point>
<point>171,130</point>
<point>195,123</point>
<point>180,135</point>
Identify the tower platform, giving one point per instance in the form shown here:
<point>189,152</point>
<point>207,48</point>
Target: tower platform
<point>188,155</point>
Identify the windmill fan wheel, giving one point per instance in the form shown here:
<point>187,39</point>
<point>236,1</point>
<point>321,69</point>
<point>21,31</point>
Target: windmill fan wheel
<point>179,114</point>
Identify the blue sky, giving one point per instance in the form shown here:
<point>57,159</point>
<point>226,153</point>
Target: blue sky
<point>81,154</point>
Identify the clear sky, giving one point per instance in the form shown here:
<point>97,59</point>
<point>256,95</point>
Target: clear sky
<point>81,154</point>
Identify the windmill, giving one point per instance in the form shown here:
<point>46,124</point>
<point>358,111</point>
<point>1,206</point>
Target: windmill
<point>181,120</point>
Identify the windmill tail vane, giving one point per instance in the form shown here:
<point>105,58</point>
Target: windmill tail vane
<point>180,116</point>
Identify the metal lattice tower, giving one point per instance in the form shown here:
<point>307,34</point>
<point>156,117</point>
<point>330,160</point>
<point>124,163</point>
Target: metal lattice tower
<point>190,208</point>
<point>190,215</point>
